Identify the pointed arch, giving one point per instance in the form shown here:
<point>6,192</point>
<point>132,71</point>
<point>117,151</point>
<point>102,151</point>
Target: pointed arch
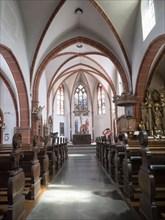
<point>12,96</point>
<point>24,123</point>
<point>55,12</point>
<point>43,35</point>
<point>1,125</point>
<point>64,45</point>
<point>144,71</point>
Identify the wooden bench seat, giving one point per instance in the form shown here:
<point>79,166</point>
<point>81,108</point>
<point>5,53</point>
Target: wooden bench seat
<point>52,160</point>
<point>131,165</point>
<point>44,164</point>
<point>12,180</point>
<point>152,180</point>
<point>31,166</point>
<point>118,161</point>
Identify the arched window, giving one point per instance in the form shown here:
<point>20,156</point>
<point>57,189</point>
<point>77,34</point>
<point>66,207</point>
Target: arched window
<point>101,99</point>
<point>60,100</point>
<point>148,17</point>
<point>80,101</point>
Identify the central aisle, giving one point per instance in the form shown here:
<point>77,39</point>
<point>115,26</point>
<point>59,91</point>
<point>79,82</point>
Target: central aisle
<point>81,191</point>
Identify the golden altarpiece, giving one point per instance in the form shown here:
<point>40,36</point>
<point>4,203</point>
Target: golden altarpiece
<point>153,112</point>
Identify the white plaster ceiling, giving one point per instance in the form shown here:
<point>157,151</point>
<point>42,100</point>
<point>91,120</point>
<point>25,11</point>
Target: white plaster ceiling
<point>114,34</point>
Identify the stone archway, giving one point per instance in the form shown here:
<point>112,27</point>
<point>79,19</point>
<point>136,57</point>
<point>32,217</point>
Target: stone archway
<point>143,75</point>
<point>12,96</point>
<point>64,45</point>
<point>1,126</point>
<point>24,122</point>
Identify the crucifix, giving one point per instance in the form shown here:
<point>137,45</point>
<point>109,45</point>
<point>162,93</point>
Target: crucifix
<point>80,113</point>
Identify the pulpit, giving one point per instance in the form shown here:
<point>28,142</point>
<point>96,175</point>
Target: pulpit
<point>126,123</point>
<point>82,139</point>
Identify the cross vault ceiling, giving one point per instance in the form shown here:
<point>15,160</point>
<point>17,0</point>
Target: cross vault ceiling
<point>50,23</point>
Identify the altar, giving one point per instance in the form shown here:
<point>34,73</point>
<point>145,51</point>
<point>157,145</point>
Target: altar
<point>82,139</point>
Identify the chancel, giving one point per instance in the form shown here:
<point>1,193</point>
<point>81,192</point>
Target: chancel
<point>81,135</point>
<point>82,109</point>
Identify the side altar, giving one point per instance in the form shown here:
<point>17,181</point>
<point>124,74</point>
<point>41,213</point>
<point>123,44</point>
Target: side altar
<point>82,139</point>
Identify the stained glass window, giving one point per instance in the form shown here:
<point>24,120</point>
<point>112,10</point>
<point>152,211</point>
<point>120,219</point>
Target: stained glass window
<point>80,101</point>
<point>60,100</point>
<point>101,99</point>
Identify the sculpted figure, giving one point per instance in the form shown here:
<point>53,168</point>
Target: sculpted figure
<point>162,96</point>
<point>39,112</point>
<point>158,118</point>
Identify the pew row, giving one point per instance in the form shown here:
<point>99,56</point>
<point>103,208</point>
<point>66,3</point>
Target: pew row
<point>12,181</point>
<point>152,180</point>
<point>32,169</point>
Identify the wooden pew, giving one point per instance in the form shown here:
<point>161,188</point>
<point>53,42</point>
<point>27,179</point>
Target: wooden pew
<point>131,165</point>
<point>102,148</point>
<point>64,149</point>
<point>98,147</point>
<point>12,182</point>
<point>152,179</point>
<point>44,160</point>
<point>100,143</point>
<point>105,152</point>
<point>111,160</point>
<point>61,150</point>
<point>32,169</point>
<point>118,161</point>
<point>52,159</point>
<point>58,152</point>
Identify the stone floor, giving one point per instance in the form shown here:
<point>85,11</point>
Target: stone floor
<point>81,191</point>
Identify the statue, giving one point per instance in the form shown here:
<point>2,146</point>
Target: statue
<point>76,126</point>
<point>148,100</point>
<point>142,125</point>
<point>50,123</point>
<point>153,112</point>
<point>17,141</point>
<point>162,96</point>
<point>38,112</point>
<point>84,127</point>
<point>158,117</point>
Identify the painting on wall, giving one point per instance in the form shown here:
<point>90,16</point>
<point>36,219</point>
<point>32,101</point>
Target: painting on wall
<point>129,111</point>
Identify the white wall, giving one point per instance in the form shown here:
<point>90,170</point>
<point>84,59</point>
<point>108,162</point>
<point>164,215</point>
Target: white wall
<point>140,46</point>
<point>7,107</point>
<point>13,36</point>
<point>57,119</point>
<point>43,96</point>
<point>9,77</point>
<point>101,121</point>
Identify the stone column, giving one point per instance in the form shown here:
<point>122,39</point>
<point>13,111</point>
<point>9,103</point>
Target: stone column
<point>92,125</point>
<point>71,139</point>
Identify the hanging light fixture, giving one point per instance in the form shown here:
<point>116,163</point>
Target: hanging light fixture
<point>79,45</point>
<point>78,11</point>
